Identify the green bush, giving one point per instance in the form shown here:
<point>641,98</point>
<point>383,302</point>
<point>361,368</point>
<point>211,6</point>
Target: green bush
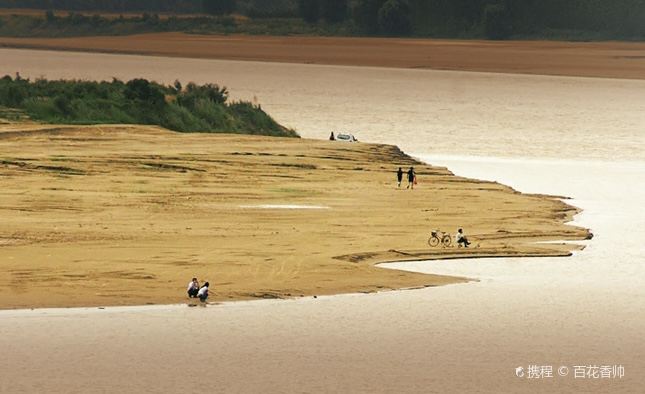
<point>49,16</point>
<point>268,9</point>
<point>309,10</point>
<point>192,92</point>
<point>334,11</point>
<point>552,19</point>
<point>365,14</point>
<point>394,18</point>
<point>497,22</point>
<point>218,7</point>
<point>191,108</point>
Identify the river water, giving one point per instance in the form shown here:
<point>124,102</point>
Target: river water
<point>583,138</point>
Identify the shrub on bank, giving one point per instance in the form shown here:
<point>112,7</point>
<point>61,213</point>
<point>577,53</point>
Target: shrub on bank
<point>193,108</point>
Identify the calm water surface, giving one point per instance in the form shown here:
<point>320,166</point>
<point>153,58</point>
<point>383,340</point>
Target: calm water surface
<point>419,110</point>
<point>584,138</point>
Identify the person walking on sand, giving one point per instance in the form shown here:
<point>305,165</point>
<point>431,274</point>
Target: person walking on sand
<point>411,178</point>
<point>193,288</point>
<point>399,176</point>
<point>203,292</point>
<point>461,239</point>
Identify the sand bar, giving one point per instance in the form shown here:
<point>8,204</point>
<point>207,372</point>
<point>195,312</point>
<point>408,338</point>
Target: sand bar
<point>124,215</point>
<point>586,59</point>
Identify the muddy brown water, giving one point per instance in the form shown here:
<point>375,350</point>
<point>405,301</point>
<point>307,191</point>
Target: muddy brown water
<point>584,138</point>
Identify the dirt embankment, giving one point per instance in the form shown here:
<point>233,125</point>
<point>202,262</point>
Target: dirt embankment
<point>598,59</point>
<point>123,215</point>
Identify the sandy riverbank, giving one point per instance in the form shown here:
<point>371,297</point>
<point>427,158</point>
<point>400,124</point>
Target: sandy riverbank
<point>586,59</point>
<point>124,215</point>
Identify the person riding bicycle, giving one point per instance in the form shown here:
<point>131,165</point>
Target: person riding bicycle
<point>461,238</point>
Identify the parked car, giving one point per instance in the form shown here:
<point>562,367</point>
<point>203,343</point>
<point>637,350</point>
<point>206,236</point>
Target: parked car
<point>346,138</point>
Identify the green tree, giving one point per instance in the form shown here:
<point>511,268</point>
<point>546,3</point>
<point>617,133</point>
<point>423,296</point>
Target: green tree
<point>309,10</point>
<point>334,11</point>
<point>218,7</point>
<point>394,17</point>
<point>202,108</point>
<point>365,14</point>
<point>193,93</point>
<point>62,104</point>
<point>16,95</point>
<point>142,92</point>
<point>497,22</point>
<point>49,16</point>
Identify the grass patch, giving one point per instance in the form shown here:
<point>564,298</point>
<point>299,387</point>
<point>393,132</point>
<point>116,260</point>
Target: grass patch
<point>12,114</point>
<point>293,192</point>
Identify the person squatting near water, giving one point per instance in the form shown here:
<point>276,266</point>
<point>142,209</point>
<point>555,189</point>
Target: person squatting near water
<point>195,291</point>
<point>193,288</point>
<point>202,294</point>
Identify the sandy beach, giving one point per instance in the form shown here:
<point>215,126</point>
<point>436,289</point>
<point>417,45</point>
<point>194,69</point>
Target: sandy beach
<point>124,215</point>
<point>580,310</point>
<point>585,59</point>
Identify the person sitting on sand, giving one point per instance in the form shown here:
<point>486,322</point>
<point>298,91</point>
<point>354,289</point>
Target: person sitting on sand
<point>399,176</point>
<point>193,288</point>
<point>331,137</point>
<point>411,178</point>
<point>461,239</point>
<point>203,292</point>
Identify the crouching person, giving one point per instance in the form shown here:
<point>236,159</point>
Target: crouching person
<point>203,292</point>
<point>193,288</point>
<point>461,239</point>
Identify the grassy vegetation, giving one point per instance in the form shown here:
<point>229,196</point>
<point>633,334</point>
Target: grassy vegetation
<point>75,25</point>
<point>78,25</point>
<point>255,8</point>
<point>192,108</point>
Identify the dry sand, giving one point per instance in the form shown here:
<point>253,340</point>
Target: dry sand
<point>125,215</point>
<point>584,59</point>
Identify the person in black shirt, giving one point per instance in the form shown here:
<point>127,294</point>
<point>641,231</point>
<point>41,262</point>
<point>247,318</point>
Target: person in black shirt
<point>411,176</point>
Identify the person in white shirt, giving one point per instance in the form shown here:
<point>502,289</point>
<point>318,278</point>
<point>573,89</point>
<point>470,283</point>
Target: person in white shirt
<point>203,292</point>
<point>461,238</point>
<point>193,288</point>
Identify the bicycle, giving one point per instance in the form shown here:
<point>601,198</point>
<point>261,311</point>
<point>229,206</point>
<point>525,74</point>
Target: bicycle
<point>439,238</point>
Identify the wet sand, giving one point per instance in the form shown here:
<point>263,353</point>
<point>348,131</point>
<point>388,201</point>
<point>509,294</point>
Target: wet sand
<point>585,59</point>
<point>126,215</point>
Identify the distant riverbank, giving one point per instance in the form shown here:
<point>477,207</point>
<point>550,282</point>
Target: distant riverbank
<point>599,59</point>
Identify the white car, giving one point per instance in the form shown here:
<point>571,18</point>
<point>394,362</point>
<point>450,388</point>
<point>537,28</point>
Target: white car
<point>346,138</point>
